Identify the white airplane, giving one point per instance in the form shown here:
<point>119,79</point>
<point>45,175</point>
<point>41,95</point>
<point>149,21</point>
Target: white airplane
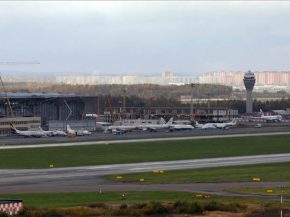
<point>27,133</point>
<point>226,125</point>
<point>83,132</point>
<point>155,127</point>
<point>70,132</point>
<point>115,128</point>
<point>103,123</point>
<point>205,126</point>
<point>270,118</point>
<point>58,133</point>
<point>46,132</point>
<point>181,127</point>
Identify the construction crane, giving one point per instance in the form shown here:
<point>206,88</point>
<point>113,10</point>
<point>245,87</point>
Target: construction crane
<point>6,96</point>
<point>2,83</point>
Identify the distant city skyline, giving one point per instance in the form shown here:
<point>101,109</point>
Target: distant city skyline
<point>145,38</point>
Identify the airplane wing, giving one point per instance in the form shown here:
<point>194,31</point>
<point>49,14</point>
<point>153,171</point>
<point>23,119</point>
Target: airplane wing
<point>152,129</point>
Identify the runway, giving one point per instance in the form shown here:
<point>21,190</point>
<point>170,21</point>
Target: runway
<point>90,177</point>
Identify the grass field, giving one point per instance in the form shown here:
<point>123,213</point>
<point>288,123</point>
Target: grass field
<point>58,200</point>
<point>142,152</point>
<point>263,191</point>
<point>267,172</point>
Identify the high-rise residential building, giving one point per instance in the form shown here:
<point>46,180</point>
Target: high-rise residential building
<point>235,78</point>
<point>166,78</point>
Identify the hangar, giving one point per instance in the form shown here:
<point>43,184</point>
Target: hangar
<point>31,110</point>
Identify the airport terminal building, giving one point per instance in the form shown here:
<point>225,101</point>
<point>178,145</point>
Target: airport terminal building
<point>31,110</point>
<point>55,111</point>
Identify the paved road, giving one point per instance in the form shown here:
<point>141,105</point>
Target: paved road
<point>89,178</point>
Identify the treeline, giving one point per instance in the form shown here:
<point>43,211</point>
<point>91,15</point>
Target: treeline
<point>283,103</point>
<point>150,95</point>
<point>140,90</point>
<point>106,101</point>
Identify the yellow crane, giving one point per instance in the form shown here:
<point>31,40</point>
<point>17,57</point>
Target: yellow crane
<point>2,83</point>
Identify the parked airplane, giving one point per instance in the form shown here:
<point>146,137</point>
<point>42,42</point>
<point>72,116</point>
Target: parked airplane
<point>124,128</point>
<point>70,132</point>
<point>46,132</point>
<point>205,126</point>
<point>73,133</point>
<point>27,133</point>
<point>270,118</point>
<point>83,132</point>
<point>155,127</point>
<point>59,133</point>
<point>226,125</point>
<point>180,126</point>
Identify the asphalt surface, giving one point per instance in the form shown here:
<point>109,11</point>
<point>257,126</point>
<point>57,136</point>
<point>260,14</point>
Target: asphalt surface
<point>100,136</point>
<point>83,179</point>
<point>101,142</point>
<point>89,178</point>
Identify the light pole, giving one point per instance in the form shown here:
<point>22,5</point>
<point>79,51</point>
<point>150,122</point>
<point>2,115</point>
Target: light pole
<point>281,200</point>
<point>281,205</point>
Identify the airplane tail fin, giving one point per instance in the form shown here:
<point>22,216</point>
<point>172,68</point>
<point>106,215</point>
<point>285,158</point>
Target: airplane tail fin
<point>261,111</point>
<point>170,121</point>
<point>13,128</point>
<point>106,129</point>
<point>70,132</point>
<point>162,121</point>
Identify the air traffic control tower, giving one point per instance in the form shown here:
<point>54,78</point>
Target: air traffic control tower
<point>249,81</point>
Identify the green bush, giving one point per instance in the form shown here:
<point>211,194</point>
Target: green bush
<point>123,206</point>
<point>211,206</point>
<point>139,205</point>
<point>272,212</point>
<point>24,213</point>
<point>98,205</point>
<point>155,208</point>
<point>181,206</point>
<point>231,207</point>
<point>51,213</point>
<point>195,208</point>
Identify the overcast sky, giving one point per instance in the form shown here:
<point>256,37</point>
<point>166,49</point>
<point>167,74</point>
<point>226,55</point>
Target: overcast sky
<point>139,37</point>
